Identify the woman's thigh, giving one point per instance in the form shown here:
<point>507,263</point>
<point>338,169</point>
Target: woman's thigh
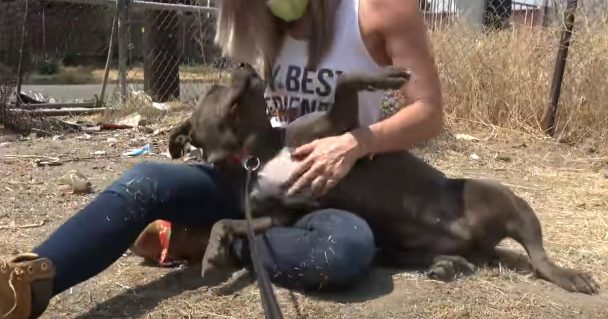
<point>181,193</point>
<point>97,235</point>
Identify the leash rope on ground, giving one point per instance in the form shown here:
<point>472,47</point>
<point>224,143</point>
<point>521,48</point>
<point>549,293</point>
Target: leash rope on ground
<point>269,299</point>
<point>3,268</point>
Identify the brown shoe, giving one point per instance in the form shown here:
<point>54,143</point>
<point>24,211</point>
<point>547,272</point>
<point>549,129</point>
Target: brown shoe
<point>25,286</point>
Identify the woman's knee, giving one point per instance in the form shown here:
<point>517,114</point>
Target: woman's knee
<point>347,243</point>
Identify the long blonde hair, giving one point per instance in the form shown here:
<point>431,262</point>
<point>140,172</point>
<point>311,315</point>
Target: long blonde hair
<point>248,32</point>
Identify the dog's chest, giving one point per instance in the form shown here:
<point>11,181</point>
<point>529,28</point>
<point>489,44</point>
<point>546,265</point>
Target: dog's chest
<point>273,175</point>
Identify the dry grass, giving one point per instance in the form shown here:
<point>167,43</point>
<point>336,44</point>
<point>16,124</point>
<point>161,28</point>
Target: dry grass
<point>503,78</point>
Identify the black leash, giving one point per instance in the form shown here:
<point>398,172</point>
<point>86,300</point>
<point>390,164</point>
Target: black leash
<point>269,299</point>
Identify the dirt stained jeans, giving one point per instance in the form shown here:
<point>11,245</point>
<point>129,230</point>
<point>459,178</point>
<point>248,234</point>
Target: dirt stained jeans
<point>326,248</point>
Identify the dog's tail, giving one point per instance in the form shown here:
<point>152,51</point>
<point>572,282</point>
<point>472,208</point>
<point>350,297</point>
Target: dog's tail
<point>178,139</point>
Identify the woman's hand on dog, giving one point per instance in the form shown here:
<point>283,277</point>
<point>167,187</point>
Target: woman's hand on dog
<point>324,162</point>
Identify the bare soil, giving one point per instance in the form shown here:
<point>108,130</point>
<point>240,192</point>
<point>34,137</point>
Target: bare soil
<point>567,185</point>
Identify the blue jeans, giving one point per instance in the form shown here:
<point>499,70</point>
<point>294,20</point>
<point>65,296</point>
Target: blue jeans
<point>324,248</point>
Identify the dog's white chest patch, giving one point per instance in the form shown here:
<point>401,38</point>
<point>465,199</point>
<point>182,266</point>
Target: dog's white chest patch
<point>273,176</point>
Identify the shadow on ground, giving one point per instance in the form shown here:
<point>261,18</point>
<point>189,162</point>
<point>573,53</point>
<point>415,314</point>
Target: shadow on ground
<point>377,283</point>
<point>138,301</point>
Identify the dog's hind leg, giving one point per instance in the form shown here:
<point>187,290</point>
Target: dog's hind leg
<point>521,224</point>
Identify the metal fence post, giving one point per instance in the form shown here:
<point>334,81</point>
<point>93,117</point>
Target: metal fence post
<point>123,6</point>
<point>106,72</point>
<point>22,53</point>
<point>548,123</point>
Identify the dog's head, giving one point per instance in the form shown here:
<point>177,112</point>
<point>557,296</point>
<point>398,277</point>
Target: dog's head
<point>230,116</point>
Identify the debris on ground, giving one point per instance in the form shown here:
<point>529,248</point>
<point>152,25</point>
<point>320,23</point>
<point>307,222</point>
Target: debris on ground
<point>77,182</point>
<point>466,137</point>
<point>161,130</point>
<point>12,225</point>
<point>504,158</point>
<point>112,141</point>
<point>31,97</point>
<point>132,120</point>
<point>112,126</point>
<point>85,136</point>
<point>47,161</point>
<point>140,97</point>
<point>160,106</point>
<point>138,151</point>
<point>36,160</point>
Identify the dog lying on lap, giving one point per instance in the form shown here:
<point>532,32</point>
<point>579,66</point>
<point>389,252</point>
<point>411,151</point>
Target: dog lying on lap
<point>437,222</point>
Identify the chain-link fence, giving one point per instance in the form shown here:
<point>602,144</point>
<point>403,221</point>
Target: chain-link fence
<point>82,55</point>
<point>171,53</point>
<point>505,78</point>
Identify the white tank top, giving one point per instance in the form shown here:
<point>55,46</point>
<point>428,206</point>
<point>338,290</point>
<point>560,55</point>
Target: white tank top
<point>298,91</point>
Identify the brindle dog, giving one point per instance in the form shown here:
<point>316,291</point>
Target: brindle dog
<point>420,217</point>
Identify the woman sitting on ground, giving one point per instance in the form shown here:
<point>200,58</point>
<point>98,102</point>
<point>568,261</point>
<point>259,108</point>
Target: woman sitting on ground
<point>304,45</point>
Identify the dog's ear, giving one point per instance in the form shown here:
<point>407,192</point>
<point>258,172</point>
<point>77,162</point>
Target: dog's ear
<point>235,91</point>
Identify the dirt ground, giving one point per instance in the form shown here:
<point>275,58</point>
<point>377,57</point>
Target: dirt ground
<point>567,185</point>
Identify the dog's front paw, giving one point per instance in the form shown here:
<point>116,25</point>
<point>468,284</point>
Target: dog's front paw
<point>218,262</point>
<point>448,268</point>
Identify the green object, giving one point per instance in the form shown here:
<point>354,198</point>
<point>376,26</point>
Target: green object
<point>288,10</point>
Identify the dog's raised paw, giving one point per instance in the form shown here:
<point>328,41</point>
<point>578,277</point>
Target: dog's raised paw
<point>396,72</point>
<point>391,78</point>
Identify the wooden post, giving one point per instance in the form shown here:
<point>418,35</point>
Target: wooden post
<point>548,123</point>
<point>161,57</point>
<point>123,39</point>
